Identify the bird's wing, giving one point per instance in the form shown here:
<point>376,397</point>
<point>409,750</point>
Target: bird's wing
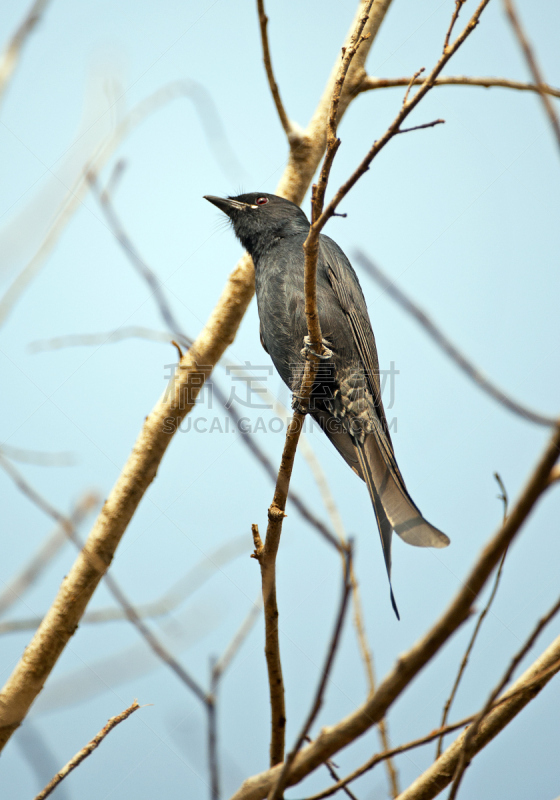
<point>376,455</point>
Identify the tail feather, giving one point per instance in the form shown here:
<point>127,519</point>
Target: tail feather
<point>385,528</point>
<point>404,516</point>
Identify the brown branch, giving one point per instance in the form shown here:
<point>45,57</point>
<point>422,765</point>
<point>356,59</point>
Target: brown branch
<point>87,750</point>
<point>458,5</point>
<point>267,562</point>
<point>11,54</point>
<point>554,476</point>
<point>389,753</point>
<point>421,127</point>
<point>468,652</point>
<point>523,688</point>
<point>533,67</point>
<point>359,625</point>
<point>394,127</point>
<point>278,790</point>
<point>275,92</point>
<point>465,754</point>
<point>266,554</point>
<point>369,83</point>
<point>333,739</point>
<point>526,688</point>
<point>447,707</point>
<point>448,347</point>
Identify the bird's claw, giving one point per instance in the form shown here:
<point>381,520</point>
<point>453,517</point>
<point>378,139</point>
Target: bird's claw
<point>307,349</point>
<point>300,404</point>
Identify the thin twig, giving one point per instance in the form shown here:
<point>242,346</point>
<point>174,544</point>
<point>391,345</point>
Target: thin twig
<point>533,67</point>
<point>278,790</point>
<point>447,346</point>
<point>87,750</point>
<point>369,83</point>
<point>464,757</point>
<point>458,5</point>
<point>421,127</point>
<point>358,616</point>
<point>434,779</point>
<point>265,554</point>
<point>394,127</point>
<point>411,83</point>
<point>275,92</point>
<point>504,498</point>
<point>11,54</point>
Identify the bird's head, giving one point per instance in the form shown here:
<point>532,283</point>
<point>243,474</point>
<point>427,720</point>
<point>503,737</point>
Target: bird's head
<point>259,218</point>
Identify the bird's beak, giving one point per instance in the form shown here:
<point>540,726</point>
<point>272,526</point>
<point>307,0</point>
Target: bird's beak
<point>226,205</point>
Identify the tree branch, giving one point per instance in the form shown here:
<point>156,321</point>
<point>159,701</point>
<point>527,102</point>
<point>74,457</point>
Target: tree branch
<point>533,67</point>
<point>87,750</point>
<point>369,83</point>
<point>11,54</point>
<point>334,738</point>
<point>275,92</point>
<point>526,688</point>
<point>278,790</point>
<point>448,347</point>
<point>465,754</point>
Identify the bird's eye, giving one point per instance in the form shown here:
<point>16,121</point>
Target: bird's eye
<point>261,201</point>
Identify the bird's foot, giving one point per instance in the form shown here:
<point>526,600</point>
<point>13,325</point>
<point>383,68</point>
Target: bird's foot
<point>307,349</point>
<point>300,404</point>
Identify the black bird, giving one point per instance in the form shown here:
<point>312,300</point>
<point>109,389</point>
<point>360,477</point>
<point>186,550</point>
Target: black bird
<point>346,397</point>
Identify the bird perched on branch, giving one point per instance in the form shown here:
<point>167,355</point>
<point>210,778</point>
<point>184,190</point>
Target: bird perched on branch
<point>345,399</point>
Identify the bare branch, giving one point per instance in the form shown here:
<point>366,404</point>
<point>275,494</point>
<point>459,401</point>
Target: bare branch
<point>363,644</point>
<point>369,83</point>
<point>533,67</point>
<point>275,92</point>
<point>87,750</point>
<point>266,554</point>
<point>421,127</point>
<point>278,790</point>
<point>448,347</point>
<point>458,5</point>
<point>10,56</point>
<point>504,498</point>
<point>526,688</point>
<point>394,127</point>
<point>410,663</point>
<point>465,755</point>
<point>468,652</point>
<point>44,555</point>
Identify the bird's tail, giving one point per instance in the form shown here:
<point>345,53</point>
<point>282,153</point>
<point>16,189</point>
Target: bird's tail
<point>393,506</point>
<point>385,528</point>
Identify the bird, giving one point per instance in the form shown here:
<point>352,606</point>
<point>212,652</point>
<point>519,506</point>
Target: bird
<point>345,398</point>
